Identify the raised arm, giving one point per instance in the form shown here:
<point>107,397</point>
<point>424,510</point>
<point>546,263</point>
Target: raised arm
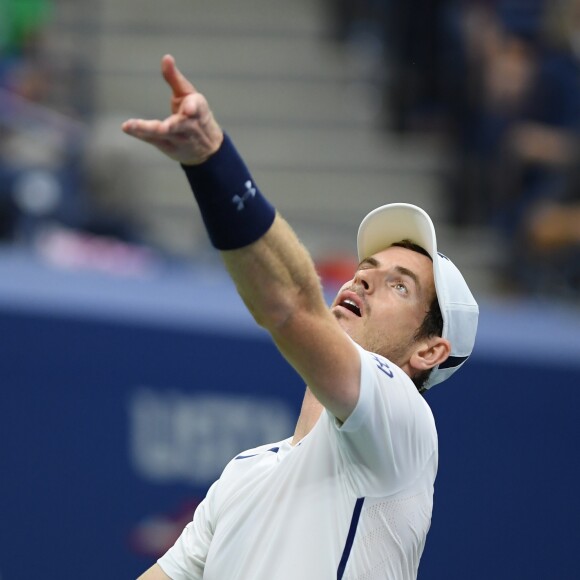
<point>273,272</point>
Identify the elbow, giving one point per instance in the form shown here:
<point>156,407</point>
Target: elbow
<point>281,315</point>
<point>274,315</point>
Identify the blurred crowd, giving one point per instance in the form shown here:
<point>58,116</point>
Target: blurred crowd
<point>500,80</point>
<point>61,195</point>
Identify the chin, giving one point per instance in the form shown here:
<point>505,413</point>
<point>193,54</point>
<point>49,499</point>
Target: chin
<point>348,329</point>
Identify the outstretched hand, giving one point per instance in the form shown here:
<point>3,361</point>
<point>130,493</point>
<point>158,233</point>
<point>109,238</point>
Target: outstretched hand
<point>190,135</point>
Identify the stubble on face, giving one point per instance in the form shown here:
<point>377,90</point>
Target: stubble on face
<point>377,342</point>
<point>394,335</point>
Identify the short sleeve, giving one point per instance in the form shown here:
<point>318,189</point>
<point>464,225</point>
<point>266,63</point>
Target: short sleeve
<point>389,441</point>
<point>185,560</point>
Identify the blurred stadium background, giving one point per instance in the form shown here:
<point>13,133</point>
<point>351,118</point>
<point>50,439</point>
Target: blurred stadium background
<point>131,372</point>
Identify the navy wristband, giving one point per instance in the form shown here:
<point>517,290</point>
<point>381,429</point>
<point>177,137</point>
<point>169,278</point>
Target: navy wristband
<point>234,211</point>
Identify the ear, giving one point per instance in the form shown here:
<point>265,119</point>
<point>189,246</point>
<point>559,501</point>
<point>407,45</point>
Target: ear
<point>430,353</point>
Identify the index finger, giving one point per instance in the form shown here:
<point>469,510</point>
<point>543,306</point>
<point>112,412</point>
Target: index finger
<point>174,78</point>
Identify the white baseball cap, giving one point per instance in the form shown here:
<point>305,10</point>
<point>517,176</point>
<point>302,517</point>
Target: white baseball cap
<point>395,222</point>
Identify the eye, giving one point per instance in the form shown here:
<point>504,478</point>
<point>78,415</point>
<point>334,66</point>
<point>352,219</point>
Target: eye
<point>401,287</point>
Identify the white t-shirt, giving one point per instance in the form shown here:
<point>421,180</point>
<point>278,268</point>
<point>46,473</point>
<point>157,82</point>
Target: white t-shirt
<point>350,501</point>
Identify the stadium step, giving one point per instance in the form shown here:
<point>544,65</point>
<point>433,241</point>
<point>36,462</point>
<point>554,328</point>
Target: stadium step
<point>301,109</point>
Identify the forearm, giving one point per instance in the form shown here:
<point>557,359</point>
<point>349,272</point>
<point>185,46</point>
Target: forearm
<point>275,276</point>
<point>273,272</point>
<point>543,144</point>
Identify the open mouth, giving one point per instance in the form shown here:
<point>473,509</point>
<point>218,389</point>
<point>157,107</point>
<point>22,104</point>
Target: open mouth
<point>350,305</point>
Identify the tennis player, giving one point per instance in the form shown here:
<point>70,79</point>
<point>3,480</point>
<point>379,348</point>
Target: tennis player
<point>349,495</point>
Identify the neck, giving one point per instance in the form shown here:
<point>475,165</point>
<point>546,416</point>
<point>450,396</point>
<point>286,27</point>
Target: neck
<point>309,415</point>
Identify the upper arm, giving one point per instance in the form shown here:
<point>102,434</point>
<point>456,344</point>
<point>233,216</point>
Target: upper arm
<point>154,573</point>
<point>324,356</point>
<point>276,278</point>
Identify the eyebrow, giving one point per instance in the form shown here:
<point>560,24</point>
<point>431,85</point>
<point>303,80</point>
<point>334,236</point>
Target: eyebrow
<point>406,272</point>
<point>369,262</point>
<point>374,263</point>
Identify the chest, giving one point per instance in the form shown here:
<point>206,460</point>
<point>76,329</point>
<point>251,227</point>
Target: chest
<point>280,504</point>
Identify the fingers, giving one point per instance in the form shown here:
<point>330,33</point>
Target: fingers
<point>170,133</point>
<point>174,78</point>
<point>190,134</point>
<point>175,125</point>
<point>142,129</point>
<point>155,133</point>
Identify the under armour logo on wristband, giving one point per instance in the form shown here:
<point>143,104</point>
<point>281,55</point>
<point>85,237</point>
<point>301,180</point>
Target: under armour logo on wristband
<point>240,201</point>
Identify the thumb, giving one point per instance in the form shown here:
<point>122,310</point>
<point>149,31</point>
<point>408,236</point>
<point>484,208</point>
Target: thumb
<point>174,78</point>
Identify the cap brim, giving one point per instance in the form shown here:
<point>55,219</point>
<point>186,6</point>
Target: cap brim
<point>392,223</point>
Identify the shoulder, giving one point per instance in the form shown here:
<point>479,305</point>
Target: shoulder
<point>389,441</point>
<point>388,378</point>
<point>250,458</point>
<point>261,450</point>
<point>387,391</point>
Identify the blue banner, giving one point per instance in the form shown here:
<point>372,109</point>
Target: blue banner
<point>121,401</point>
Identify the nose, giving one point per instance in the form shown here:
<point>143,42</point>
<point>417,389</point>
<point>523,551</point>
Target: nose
<point>363,278</point>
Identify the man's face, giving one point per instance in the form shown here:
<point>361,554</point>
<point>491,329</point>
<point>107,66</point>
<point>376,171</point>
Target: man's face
<point>383,306</point>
